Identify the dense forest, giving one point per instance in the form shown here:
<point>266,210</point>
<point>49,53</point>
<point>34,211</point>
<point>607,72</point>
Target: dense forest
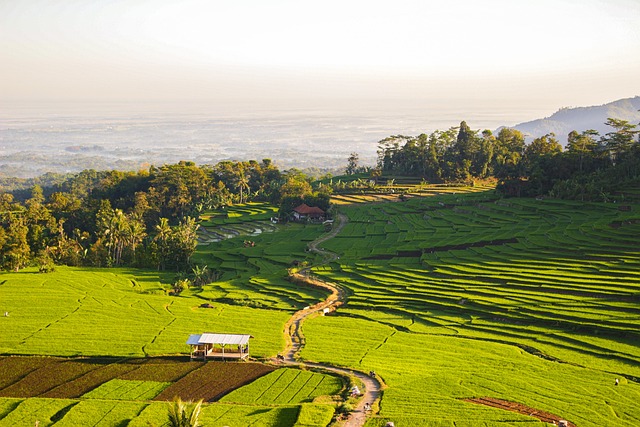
<point>592,167</point>
<point>143,219</point>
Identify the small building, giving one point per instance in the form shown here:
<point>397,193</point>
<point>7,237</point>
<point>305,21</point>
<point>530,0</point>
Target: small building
<point>219,346</point>
<point>304,212</point>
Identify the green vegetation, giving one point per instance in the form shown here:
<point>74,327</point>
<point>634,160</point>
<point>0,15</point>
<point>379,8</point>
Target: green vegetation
<point>286,386</point>
<point>224,415</point>
<point>144,219</point>
<point>27,412</point>
<point>314,415</point>
<point>453,292</point>
<point>533,301</point>
<point>184,414</point>
<point>255,275</point>
<point>91,312</point>
<point>119,390</point>
<point>100,413</point>
<point>590,168</point>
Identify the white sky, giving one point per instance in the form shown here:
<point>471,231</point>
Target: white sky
<point>543,52</point>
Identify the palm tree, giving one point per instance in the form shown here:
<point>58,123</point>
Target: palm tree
<point>135,234</point>
<point>183,414</point>
<point>242,184</point>
<point>163,231</point>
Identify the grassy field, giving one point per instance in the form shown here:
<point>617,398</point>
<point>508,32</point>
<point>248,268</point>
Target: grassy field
<point>115,392</point>
<point>457,295</point>
<point>256,275</point>
<point>111,314</point>
<point>91,312</point>
<point>533,301</point>
<point>286,386</point>
<point>108,413</point>
<point>124,379</point>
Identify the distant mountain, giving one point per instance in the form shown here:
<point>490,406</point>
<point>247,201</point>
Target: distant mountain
<point>582,118</point>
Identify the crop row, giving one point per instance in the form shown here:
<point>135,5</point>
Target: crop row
<point>88,312</point>
<point>108,413</point>
<point>286,386</point>
<point>255,275</point>
<point>213,380</point>
<point>461,296</point>
<point>246,212</point>
<point>134,379</point>
<point>127,390</point>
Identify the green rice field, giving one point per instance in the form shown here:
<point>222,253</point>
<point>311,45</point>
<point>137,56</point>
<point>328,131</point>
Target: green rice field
<point>256,275</point>
<point>110,312</point>
<point>115,392</point>
<point>460,296</point>
<point>286,386</point>
<point>452,294</point>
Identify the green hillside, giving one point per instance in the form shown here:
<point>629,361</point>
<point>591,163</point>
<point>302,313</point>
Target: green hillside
<point>449,297</point>
<point>533,301</point>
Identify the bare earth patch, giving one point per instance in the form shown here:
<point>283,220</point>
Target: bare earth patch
<point>519,408</point>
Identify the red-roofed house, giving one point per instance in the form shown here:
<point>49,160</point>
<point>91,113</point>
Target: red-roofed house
<point>303,212</point>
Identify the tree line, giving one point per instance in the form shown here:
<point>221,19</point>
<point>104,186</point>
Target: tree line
<point>590,167</point>
<point>143,219</point>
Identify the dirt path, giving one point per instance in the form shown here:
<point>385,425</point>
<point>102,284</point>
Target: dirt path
<point>296,340</point>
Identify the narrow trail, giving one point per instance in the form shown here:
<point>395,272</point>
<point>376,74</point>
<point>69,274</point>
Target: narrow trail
<point>296,340</point>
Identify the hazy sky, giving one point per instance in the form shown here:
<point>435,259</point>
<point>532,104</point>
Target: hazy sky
<point>546,52</point>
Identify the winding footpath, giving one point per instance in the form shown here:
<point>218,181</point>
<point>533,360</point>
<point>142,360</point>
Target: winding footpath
<point>296,340</point>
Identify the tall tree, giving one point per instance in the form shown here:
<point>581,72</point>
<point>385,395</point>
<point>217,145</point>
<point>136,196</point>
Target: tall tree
<point>508,150</point>
<point>242,183</point>
<point>582,146</point>
<point>175,189</point>
<point>352,164</point>
<point>162,243</point>
<point>296,185</point>
<point>15,253</point>
<point>184,242</point>
<point>41,224</point>
<point>622,139</point>
<point>459,157</point>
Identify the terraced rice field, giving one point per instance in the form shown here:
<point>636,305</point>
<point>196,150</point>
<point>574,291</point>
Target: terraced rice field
<point>256,275</point>
<point>110,392</point>
<point>450,298</point>
<point>409,190</point>
<point>286,386</point>
<point>127,313</point>
<point>123,379</point>
<point>120,313</point>
<point>244,220</point>
<point>462,296</point>
<point>214,380</point>
<point>127,390</point>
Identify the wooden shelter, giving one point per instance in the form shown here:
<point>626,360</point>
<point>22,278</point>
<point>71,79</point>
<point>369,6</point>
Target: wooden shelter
<point>308,212</point>
<point>219,346</point>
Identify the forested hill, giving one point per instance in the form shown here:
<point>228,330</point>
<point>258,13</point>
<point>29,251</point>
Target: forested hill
<point>580,119</point>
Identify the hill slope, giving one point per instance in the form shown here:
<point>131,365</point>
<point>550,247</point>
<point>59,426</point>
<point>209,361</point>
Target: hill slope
<point>582,118</point>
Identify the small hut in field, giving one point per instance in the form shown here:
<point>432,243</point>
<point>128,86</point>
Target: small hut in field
<point>210,346</point>
<point>310,213</point>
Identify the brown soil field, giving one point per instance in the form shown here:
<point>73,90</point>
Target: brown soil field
<point>519,408</point>
<point>214,380</point>
<point>68,378</point>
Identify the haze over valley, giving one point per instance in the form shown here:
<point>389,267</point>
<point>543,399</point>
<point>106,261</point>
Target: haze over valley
<point>64,138</point>
<point>61,139</point>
